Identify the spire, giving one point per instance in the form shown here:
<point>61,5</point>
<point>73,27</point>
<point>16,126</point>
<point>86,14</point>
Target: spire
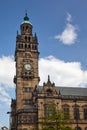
<point>36,37</point>
<point>59,92</point>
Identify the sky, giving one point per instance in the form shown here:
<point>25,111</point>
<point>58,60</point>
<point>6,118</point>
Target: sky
<point>61,27</point>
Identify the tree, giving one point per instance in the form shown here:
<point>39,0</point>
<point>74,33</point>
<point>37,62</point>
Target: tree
<point>55,119</point>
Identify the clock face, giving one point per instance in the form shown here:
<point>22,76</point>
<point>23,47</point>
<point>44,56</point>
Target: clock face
<point>27,66</point>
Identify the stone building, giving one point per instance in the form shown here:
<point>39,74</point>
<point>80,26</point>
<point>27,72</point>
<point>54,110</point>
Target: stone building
<point>31,99</point>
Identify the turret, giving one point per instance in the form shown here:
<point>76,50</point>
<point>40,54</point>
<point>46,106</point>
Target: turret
<point>26,26</point>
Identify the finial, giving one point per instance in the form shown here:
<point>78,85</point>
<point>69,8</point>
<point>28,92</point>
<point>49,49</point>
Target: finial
<point>26,17</point>
<point>35,34</point>
<point>59,92</point>
<point>36,37</point>
<point>48,80</point>
<point>26,13</point>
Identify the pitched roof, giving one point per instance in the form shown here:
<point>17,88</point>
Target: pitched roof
<point>69,91</point>
<point>73,91</point>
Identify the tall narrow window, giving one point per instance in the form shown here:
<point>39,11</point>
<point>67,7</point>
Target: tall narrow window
<point>76,114</point>
<point>28,38</point>
<point>66,112</point>
<point>85,113</point>
<point>28,45</point>
<point>23,28</point>
<point>26,27</point>
<point>25,38</point>
<point>25,45</point>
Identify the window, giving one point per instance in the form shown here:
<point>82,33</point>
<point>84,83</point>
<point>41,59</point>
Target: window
<point>28,38</point>
<point>27,101</point>
<point>23,28</point>
<point>27,74</point>
<point>76,114</point>
<point>28,45</point>
<point>20,45</point>
<point>25,45</point>
<point>26,27</point>
<point>85,113</point>
<point>26,119</point>
<point>25,38</point>
<point>66,112</point>
<point>49,110</point>
<point>27,89</point>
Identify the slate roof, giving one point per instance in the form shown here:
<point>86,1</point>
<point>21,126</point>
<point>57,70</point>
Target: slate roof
<point>71,91</point>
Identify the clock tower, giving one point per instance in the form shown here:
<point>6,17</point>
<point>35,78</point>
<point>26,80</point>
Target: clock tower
<point>34,105</point>
<point>26,79</point>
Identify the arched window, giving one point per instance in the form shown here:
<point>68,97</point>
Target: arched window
<point>28,45</point>
<point>26,27</point>
<point>28,38</point>
<point>76,113</point>
<point>23,28</point>
<point>25,45</point>
<point>66,111</point>
<point>25,38</point>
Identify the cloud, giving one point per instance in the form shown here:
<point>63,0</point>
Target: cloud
<point>4,96</point>
<point>62,73</point>
<point>69,17</point>
<point>7,71</point>
<point>69,35</point>
<point>69,74</point>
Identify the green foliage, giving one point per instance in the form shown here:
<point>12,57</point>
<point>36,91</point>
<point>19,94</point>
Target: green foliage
<point>55,119</point>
